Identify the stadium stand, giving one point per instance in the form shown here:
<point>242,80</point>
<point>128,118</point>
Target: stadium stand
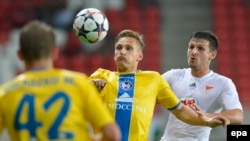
<point>231,24</point>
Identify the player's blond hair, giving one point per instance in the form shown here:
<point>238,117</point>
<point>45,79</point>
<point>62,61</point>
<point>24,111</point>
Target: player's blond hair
<point>132,34</point>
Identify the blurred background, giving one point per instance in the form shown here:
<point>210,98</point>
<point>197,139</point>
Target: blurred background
<point>165,24</point>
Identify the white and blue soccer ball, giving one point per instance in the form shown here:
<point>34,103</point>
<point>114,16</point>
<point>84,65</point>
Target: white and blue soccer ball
<point>90,25</point>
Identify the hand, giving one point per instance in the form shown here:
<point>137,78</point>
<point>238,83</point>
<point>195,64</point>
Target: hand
<point>96,137</point>
<point>99,83</point>
<point>212,120</point>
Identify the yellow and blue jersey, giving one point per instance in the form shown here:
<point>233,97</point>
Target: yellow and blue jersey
<point>131,98</point>
<point>50,105</point>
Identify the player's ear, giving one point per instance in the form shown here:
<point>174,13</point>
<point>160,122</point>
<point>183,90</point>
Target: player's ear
<point>55,53</point>
<point>20,55</point>
<point>214,54</point>
<point>140,57</point>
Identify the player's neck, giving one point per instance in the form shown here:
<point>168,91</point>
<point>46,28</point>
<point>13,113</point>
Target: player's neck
<point>199,72</point>
<point>127,71</point>
<point>38,65</point>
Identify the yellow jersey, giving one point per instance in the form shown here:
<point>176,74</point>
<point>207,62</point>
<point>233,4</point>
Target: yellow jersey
<point>131,98</point>
<point>52,104</point>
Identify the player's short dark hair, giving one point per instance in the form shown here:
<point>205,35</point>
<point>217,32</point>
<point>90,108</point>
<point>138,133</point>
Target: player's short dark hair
<point>209,36</point>
<point>132,34</point>
<point>37,40</point>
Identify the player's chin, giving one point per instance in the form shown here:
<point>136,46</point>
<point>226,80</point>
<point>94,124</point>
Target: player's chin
<point>120,63</point>
<point>192,64</point>
<point>121,66</point>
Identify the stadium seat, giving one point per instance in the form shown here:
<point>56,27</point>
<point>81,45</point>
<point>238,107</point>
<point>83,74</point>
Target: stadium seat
<point>78,62</point>
<point>109,62</point>
<point>132,3</point>
<point>73,45</point>
<point>115,20</point>
<point>231,24</point>
<point>62,61</point>
<point>152,14</point>
<point>95,61</point>
<point>224,68</point>
<point>132,18</point>
<point>219,2</point>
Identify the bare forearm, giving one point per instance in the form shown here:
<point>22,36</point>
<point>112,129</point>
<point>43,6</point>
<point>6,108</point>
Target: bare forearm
<point>235,116</point>
<point>196,117</point>
<point>189,116</point>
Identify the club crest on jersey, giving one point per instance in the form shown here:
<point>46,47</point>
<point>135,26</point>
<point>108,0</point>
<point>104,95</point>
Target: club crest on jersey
<point>189,101</point>
<point>208,88</point>
<point>126,85</point>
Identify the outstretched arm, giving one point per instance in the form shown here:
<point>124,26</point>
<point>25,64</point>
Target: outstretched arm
<point>235,116</point>
<point>193,117</point>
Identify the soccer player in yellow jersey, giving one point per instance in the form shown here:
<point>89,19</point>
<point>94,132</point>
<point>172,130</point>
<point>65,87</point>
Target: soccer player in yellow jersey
<point>45,103</point>
<point>131,94</point>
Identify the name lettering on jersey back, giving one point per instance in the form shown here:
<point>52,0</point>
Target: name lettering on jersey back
<point>69,80</point>
<point>41,82</point>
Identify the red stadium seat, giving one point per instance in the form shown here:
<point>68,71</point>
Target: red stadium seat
<point>110,63</point>
<point>78,63</point>
<point>62,62</point>
<point>132,18</point>
<point>115,20</point>
<point>231,25</point>
<point>225,69</point>
<point>95,61</point>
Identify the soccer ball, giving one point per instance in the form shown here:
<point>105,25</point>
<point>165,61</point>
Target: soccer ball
<point>90,25</point>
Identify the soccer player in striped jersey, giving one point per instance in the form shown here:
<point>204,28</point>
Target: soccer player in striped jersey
<point>199,85</point>
<point>131,94</point>
<point>45,103</point>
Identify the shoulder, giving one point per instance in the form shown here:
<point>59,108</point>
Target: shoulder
<point>101,70</point>
<point>70,73</point>
<point>78,77</point>
<point>221,78</point>
<point>150,73</point>
<point>178,73</point>
<point>102,74</point>
<point>152,76</point>
<point>63,73</point>
<point>12,84</point>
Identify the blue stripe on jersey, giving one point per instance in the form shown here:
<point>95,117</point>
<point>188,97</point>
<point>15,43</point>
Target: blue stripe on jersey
<point>124,104</point>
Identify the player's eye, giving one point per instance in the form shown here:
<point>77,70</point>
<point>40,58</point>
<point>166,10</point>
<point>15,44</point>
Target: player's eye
<point>201,48</point>
<point>118,47</point>
<point>190,47</point>
<point>129,48</point>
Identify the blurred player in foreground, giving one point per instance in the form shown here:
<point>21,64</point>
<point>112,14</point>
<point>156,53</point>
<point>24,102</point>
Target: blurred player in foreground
<point>198,85</point>
<point>47,104</point>
<point>131,94</point>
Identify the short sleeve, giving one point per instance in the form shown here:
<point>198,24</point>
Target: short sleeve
<point>166,96</point>
<point>229,98</point>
